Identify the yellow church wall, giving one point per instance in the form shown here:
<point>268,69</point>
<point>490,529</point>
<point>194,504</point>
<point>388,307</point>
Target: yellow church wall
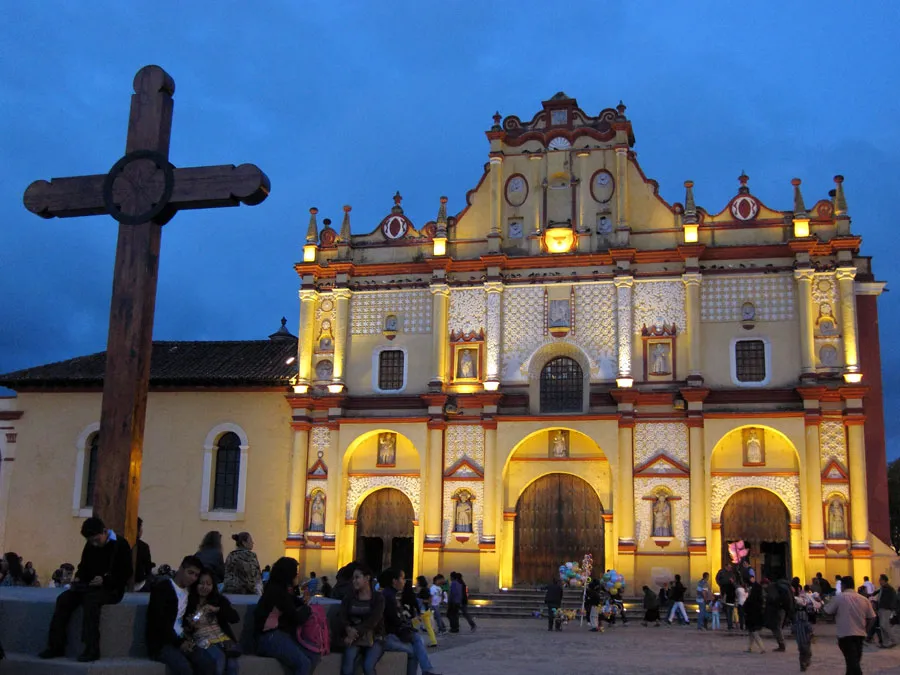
<point>361,362</point>
<point>171,481</point>
<point>783,339</point>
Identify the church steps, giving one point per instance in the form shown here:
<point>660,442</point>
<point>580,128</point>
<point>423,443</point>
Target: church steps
<point>523,602</point>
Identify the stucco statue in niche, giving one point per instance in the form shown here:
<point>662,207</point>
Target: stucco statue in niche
<point>463,513</point>
<point>659,364</point>
<point>387,449</point>
<point>662,517</point>
<point>317,512</point>
<point>837,520</point>
<point>754,450</point>
<point>465,369</point>
<point>326,339</point>
<point>559,443</point>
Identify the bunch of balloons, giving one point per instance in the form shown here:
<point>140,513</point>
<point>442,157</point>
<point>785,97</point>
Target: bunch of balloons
<point>572,574</point>
<point>612,580</point>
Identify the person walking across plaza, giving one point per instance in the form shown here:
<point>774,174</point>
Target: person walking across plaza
<point>754,617</point>
<point>464,607</point>
<point>454,602</point>
<point>703,598</point>
<point>887,603</point>
<point>803,631</point>
<point>651,607</point>
<point>677,598</point>
<point>853,614</point>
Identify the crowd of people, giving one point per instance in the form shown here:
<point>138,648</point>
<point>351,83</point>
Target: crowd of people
<point>750,606</point>
<point>190,620</point>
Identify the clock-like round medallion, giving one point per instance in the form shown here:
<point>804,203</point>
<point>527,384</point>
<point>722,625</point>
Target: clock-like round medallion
<point>394,227</point>
<point>744,207</point>
<point>327,305</point>
<point>516,190</point>
<point>603,185</point>
<point>559,143</point>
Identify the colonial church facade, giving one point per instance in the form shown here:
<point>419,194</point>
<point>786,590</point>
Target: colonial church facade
<point>568,365</point>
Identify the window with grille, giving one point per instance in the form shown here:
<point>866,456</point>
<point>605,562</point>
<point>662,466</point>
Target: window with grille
<point>562,386</point>
<point>91,473</point>
<point>750,360</point>
<point>390,370</point>
<point>228,471</point>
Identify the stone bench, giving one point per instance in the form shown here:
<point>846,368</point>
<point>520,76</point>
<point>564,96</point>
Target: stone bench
<point>25,618</point>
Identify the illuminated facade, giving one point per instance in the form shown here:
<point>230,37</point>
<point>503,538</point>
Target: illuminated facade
<point>568,364</point>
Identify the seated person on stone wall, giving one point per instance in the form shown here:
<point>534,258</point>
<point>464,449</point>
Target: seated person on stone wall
<point>361,624</point>
<point>278,615</point>
<point>101,578</point>
<point>143,560</point>
<point>207,623</point>
<point>400,636</point>
<point>165,628</point>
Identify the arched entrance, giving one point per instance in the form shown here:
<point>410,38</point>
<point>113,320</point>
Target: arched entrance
<point>384,531</point>
<point>761,520</point>
<point>559,518</point>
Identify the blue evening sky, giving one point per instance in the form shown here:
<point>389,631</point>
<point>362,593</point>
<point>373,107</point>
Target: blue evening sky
<point>347,102</point>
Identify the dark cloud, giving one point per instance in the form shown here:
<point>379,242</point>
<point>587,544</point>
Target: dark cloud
<point>348,102</point>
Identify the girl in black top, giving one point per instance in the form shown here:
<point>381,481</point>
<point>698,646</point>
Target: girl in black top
<point>362,615</point>
<point>207,622</point>
<point>278,615</point>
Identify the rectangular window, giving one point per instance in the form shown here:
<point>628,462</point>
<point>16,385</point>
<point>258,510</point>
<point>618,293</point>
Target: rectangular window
<point>228,469</point>
<point>750,360</point>
<point>390,370</point>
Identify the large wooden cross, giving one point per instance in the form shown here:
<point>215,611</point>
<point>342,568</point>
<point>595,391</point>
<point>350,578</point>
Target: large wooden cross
<point>142,191</point>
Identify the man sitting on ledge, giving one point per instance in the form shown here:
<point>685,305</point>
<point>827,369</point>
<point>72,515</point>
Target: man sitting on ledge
<point>100,579</point>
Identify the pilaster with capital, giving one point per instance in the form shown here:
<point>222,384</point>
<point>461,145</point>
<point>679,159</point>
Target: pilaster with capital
<point>440,310</point>
<point>538,198</point>
<point>491,497</point>
<point>493,321</point>
<point>299,463</point>
<point>624,291</point>
<point>845,277</point>
<point>341,332</point>
<point>692,282</point>
<point>305,334</point>
<point>496,203</point>
<point>621,186</point>
<point>856,458</point>
<point>814,516</point>
<point>584,188</point>
<point>804,277</point>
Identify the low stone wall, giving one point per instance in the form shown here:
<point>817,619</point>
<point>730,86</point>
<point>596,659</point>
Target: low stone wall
<point>25,619</point>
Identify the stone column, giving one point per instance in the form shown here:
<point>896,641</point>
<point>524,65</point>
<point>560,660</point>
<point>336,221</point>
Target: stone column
<point>341,336</point>
<point>440,310</point>
<point>494,237</point>
<point>624,286</point>
<point>336,504</point>
<point>804,279</point>
<point>859,505</point>
<point>536,193</point>
<point>299,467</point>
<point>435,483</point>
<point>493,319</point>
<point>305,335</point>
<point>627,547</point>
<point>692,282</point>
<point>814,518</point>
<point>584,193</point>
<point>700,556</point>
<point>845,277</point>
<point>489,523</point>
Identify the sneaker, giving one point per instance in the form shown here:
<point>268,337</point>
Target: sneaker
<point>50,654</point>
<point>473,627</point>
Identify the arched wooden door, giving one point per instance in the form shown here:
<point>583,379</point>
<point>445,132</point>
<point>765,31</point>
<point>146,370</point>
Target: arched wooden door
<point>559,518</point>
<point>761,520</point>
<point>384,531</point>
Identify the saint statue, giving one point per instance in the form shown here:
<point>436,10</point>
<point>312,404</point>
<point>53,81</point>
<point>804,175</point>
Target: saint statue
<point>387,449</point>
<point>560,447</point>
<point>463,514</point>
<point>754,448</point>
<point>837,528</point>
<point>748,312</point>
<point>317,513</point>
<point>660,364</point>
<point>390,323</point>
<point>466,367</point>
<point>326,340</point>
<point>559,313</point>
<point>662,517</point>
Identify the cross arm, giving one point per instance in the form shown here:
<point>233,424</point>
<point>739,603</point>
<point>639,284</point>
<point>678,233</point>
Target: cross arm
<point>205,187</point>
<point>66,197</point>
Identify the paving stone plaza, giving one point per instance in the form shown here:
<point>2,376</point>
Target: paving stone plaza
<point>525,647</point>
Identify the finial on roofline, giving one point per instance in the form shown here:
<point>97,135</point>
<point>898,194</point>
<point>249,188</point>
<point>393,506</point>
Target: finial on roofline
<point>441,224</point>
<point>312,232</point>
<point>690,209</point>
<point>799,206</point>
<point>344,236</point>
<point>743,179</point>
<point>497,118</point>
<point>839,202</point>
<point>397,209</point>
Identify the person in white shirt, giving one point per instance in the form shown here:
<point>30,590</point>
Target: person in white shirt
<point>165,633</point>
<point>837,584</point>
<point>437,597</point>
<point>740,597</point>
<point>869,586</point>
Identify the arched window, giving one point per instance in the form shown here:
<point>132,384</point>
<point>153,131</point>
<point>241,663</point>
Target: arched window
<point>562,386</point>
<point>91,473</point>
<point>228,471</point>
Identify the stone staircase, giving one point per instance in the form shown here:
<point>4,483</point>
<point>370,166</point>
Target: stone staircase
<point>522,602</point>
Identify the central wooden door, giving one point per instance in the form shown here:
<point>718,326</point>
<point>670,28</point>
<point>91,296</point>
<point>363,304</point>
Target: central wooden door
<point>761,520</point>
<point>559,518</point>
<point>384,531</point>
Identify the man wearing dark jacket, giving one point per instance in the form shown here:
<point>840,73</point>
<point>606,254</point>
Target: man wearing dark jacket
<point>165,632</point>
<point>553,599</point>
<point>677,598</point>
<point>101,578</point>
<point>400,636</point>
<point>143,561</point>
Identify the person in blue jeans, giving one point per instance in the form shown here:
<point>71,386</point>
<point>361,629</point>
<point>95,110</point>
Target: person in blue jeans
<point>277,617</point>
<point>362,616</point>
<point>400,636</point>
